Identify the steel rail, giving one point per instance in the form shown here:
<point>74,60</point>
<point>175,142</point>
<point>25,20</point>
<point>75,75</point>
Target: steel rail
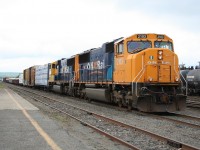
<point>193,101</point>
<point>89,125</point>
<point>187,116</point>
<point>177,121</point>
<point>155,116</point>
<point>193,104</point>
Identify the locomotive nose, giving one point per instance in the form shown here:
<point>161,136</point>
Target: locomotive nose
<point>160,66</point>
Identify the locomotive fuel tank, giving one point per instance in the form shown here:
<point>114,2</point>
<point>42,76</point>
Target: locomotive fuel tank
<point>98,94</point>
<point>56,88</point>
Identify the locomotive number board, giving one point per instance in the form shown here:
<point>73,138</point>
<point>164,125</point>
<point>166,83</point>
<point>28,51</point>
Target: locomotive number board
<point>160,36</point>
<point>144,36</point>
<point>141,36</point>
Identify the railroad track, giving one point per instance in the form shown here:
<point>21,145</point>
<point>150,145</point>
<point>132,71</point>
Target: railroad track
<point>177,118</point>
<point>106,123</point>
<point>193,104</point>
<point>181,119</point>
<point>193,101</point>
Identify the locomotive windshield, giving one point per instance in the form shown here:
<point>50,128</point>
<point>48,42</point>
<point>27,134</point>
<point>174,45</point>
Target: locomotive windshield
<point>136,46</point>
<point>163,44</point>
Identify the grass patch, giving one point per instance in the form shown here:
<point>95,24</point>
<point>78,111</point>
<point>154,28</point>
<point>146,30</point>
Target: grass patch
<point>1,85</point>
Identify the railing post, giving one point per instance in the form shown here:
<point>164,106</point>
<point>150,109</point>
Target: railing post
<point>186,83</point>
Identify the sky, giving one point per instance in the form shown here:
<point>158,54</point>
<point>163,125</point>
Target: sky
<point>36,32</point>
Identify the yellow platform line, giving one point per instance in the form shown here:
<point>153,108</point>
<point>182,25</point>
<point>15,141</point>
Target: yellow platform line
<point>39,129</point>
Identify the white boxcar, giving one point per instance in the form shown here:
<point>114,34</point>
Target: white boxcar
<point>42,75</point>
<point>21,78</point>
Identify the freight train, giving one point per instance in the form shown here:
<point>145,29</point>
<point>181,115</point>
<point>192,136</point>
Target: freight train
<point>14,80</point>
<point>140,71</point>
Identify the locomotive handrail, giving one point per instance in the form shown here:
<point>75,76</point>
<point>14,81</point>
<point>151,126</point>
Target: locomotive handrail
<point>140,77</point>
<point>186,83</point>
<point>137,76</point>
<point>137,82</point>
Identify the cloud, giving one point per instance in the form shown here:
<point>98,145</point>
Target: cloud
<point>41,31</point>
<point>19,64</point>
<point>183,13</point>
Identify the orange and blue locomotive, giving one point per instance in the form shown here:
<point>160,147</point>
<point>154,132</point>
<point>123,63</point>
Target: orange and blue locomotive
<point>140,71</point>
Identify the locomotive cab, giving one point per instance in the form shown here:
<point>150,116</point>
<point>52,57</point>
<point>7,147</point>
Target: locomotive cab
<point>53,71</point>
<point>146,74</point>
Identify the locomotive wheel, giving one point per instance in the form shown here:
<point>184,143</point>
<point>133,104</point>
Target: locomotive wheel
<point>119,103</point>
<point>82,96</point>
<point>85,97</point>
<point>129,105</point>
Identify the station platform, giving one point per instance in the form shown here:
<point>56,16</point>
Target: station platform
<point>24,127</point>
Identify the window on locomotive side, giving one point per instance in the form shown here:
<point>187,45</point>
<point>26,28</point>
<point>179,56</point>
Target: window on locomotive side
<point>163,44</point>
<point>136,46</point>
<point>120,48</point>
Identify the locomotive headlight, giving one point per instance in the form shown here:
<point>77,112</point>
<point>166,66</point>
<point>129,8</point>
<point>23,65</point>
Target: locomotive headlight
<point>160,52</point>
<point>160,57</point>
<point>176,79</point>
<point>150,79</point>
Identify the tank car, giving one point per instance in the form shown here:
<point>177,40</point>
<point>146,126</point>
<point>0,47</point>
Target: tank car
<point>193,79</point>
<point>139,71</point>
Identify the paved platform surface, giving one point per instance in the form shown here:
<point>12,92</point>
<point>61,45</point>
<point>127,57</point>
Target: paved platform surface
<point>24,127</point>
